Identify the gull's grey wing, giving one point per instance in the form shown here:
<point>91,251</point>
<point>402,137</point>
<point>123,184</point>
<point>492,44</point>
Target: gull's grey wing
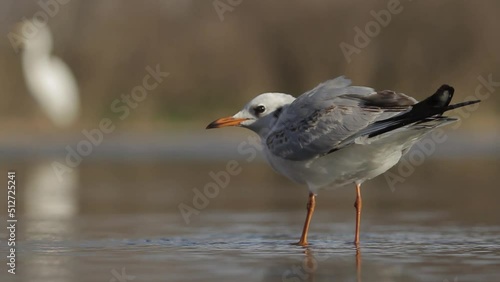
<point>321,119</point>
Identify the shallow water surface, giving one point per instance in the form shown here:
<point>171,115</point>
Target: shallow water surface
<point>441,224</point>
<point>237,246</point>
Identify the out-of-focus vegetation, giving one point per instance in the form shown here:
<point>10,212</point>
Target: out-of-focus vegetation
<point>260,46</point>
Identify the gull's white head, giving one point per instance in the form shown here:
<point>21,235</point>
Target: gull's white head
<point>259,115</point>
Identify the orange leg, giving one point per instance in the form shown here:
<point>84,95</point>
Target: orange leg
<point>358,205</point>
<point>311,204</point>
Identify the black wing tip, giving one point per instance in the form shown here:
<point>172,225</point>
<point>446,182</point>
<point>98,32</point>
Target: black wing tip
<point>463,104</point>
<point>443,96</point>
<point>473,102</point>
<point>434,106</point>
<point>444,88</point>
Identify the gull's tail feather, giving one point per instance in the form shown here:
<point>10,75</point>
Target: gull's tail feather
<point>433,106</point>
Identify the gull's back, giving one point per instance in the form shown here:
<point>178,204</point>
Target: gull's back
<point>319,120</point>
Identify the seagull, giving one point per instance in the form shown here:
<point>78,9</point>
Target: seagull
<point>337,134</point>
<point>48,78</point>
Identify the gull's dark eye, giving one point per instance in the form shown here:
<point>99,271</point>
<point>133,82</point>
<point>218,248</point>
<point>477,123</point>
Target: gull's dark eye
<point>259,109</point>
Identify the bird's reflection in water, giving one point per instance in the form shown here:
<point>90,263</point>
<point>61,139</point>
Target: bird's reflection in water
<point>310,264</point>
<point>358,263</point>
<point>314,267</point>
<point>51,206</point>
<point>50,197</point>
<point>305,271</point>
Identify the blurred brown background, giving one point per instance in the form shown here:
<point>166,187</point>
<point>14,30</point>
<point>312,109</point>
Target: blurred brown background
<point>120,206</point>
<point>217,63</point>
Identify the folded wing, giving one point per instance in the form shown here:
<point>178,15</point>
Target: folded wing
<point>322,119</point>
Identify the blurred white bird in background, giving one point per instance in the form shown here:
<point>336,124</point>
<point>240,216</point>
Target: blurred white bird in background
<point>48,78</point>
<point>50,202</point>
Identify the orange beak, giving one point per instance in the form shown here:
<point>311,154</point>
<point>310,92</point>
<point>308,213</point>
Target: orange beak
<point>226,121</point>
